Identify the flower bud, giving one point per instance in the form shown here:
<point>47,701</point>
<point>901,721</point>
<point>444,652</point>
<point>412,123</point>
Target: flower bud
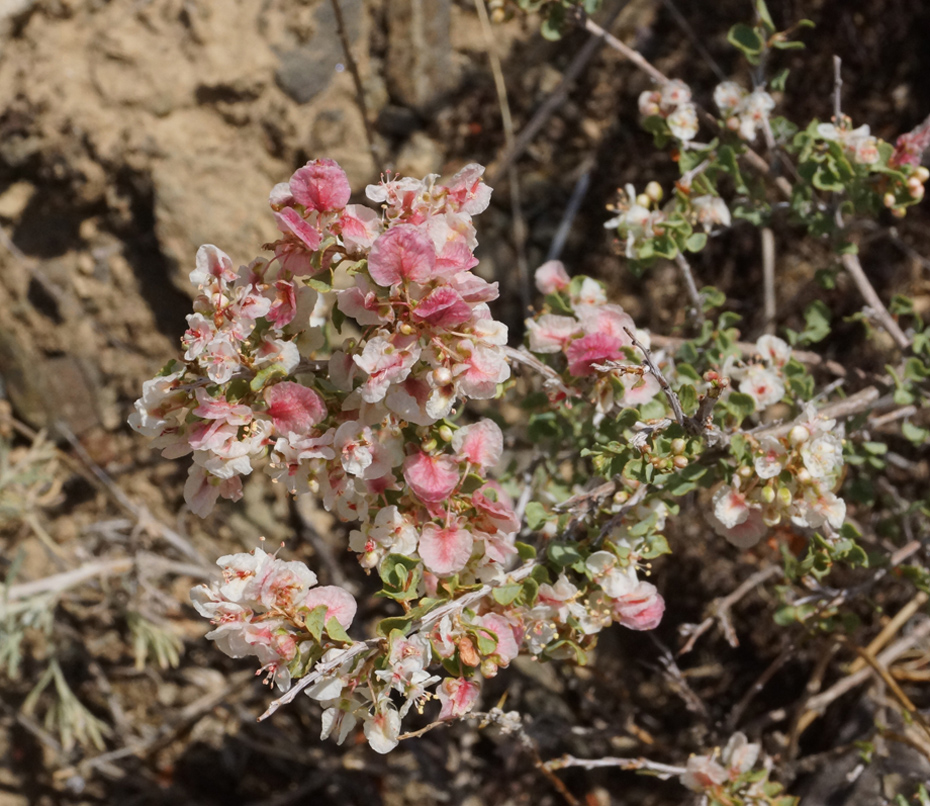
<point>798,435</point>
<point>429,446</point>
<point>488,668</point>
<point>678,446</point>
<point>899,212</point>
<point>888,200</point>
<point>442,376</point>
<point>654,191</point>
<point>445,433</point>
<point>915,187</point>
<point>922,173</point>
<point>803,475</point>
<point>643,200</point>
<point>784,496</point>
<point>746,472</point>
<point>680,462</point>
<point>768,494</point>
<point>406,328</point>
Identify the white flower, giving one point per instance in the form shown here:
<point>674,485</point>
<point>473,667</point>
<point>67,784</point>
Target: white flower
<point>763,386</point>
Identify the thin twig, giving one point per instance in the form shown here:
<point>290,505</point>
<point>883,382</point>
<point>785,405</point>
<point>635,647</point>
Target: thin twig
<point>855,271</point>
<point>516,205</point>
<point>673,400</point>
<point>630,53</point>
<point>768,278</point>
<point>847,407</point>
<point>761,682</point>
<point>555,99</point>
<point>720,610</point>
<point>695,40</point>
<point>890,629</point>
<point>552,378</point>
<point>837,90</point>
<point>359,88</point>
<point>697,303</point>
<point>663,771</point>
<point>571,209</point>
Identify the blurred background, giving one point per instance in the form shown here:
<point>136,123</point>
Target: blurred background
<point>133,131</point>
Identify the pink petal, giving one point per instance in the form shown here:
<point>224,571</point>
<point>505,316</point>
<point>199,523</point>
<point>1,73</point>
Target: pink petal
<point>444,307</point>
<point>445,551</point>
<point>294,408</point>
<point>454,258</point>
<point>457,696</point>
<point>641,609</point>
<point>321,185</point>
<point>402,253</point>
<point>432,478</point>
<point>591,349</point>
<point>551,277</point>
<point>289,220</point>
<point>340,604</point>
<point>481,443</point>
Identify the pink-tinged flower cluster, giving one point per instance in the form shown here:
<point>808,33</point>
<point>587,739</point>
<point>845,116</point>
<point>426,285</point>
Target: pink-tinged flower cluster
<point>793,478</point>
<point>744,112</point>
<point>639,219</point>
<point>593,341</point>
<point>910,147</point>
<point>672,102</point>
<point>763,380</point>
<point>707,774</point>
<point>859,144</point>
<point>260,608</point>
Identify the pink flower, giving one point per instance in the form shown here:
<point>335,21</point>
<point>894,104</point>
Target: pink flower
<point>502,630</point>
<point>445,550</point>
<point>640,609</point>
<point>340,604</point>
<point>480,444</point>
<point>591,349</point>
<point>403,253</point>
<point>495,509</point>
<point>480,371</point>
<point>444,307</point>
<point>432,478</point>
<point>294,408</point>
<point>213,268</point>
<point>457,696</point>
<point>551,332</point>
<point>551,277</point>
<point>360,226</point>
<point>289,221</point>
<point>467,190</point>
<point>321,185</point>
<point>387,359</point>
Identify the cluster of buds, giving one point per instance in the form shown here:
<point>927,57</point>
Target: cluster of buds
<point>592,339</point>
<point>793,477</point>
<point>744,112</point>
<point>672,103</point>
<point>762,380</point>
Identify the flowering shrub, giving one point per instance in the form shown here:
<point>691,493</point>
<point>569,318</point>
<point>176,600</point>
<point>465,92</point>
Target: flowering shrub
<point>341,363</point>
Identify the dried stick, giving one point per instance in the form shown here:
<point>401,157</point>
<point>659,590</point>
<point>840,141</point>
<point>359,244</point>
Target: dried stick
<point>761,682</point>
<point>854,404</point>
<point>768,278</point>
<point>720,609</point>
<point>663,771</point>
<point>516,207</point>
<point>69,579</point>
<point>855,271</point>
<point>552,378</point>
<point>673,400</point>
<point>357,79</point>
<point>890,630</point>
<point>697,303</point>
<point>555,99</point>
<point>695,40</point>
<point>837,89</point>
<point>630,53</point>
<point>817,705</point>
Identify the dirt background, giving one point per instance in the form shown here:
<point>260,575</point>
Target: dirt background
<point>133,131</point>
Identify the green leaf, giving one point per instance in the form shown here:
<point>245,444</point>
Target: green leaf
<point>713,297</point>
<point>336,631</point>
<point>563,554</point>
<point>315,620</point>
<point>696,242</point>
<point>525,551</point>
<point>388,625</point>
<point>536,515</point>
<point>318,285</point>
<point>763,11</point>
<point>261,379</point>
<point>505,594</point>
<point>741,405</point>
<point>914,433</point>
<point>747,40</point>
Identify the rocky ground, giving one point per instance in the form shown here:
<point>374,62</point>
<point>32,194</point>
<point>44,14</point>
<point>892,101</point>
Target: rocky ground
<point>133,131</point>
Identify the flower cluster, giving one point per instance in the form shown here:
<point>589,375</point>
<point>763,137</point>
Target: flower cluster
<point>858,144</point>
<point>672,103</point>
<point>263,608</point>
<point>732,779</point>
<point>792,477</point>
<point>744,112</point>
<point>370,430</point>
<point>593,339</point>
